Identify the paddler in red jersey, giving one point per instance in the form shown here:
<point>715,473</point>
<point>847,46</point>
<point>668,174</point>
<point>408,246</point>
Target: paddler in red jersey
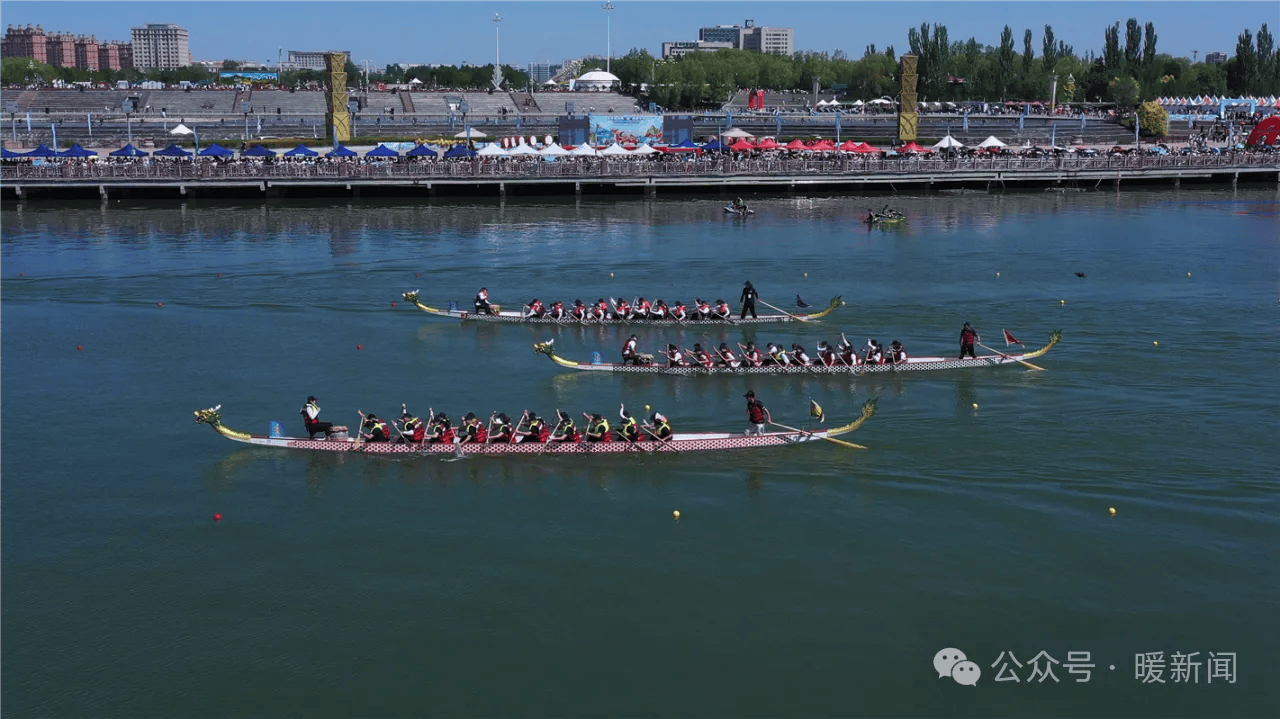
<point>597,428</point>
<point>630,351</point>
<point>674,357</point>
<point>600,310</point>
<point>536,309</point>
<point>702,311</point>
<point>311,419</point>
<point>678,313</point>
<point>641,310</point>
<point>579,310</point>
<point>750,355</point>
<point>471,431</point>
<point>968,335</point>
<point>757,414</point>
<point>482,302</point>
<point>621,309</point>
<point>537,429</point>
<point>701,356</point>
<point>660,310</point>
<point>722,311</point>
<point>726,356</point>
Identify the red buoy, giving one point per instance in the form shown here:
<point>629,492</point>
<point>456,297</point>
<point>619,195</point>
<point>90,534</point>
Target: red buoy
<point>393,304</point>
<point>417,274</point>
<point>159,304</point>
<point>79,348</point>
<point>359,347</point>
<point>219,274</point>
<point>217,517</point>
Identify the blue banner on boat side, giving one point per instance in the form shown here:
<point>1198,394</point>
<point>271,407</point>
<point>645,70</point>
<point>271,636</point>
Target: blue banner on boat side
<point>452,305</point>
<point>277,429</point>
<point>596,358</point>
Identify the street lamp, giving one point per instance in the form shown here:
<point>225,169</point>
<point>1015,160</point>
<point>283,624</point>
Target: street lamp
<point>497,53</point>
<point>608,37</point>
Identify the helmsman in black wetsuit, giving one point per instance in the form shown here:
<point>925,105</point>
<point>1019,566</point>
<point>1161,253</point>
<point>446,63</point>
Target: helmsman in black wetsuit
<point>748,300</point>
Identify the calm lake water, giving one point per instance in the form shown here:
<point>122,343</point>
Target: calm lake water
<point>802,581</point>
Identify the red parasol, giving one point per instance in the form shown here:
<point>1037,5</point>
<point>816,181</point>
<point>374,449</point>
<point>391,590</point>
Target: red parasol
<point>796,145</point>
<point>912,147</point>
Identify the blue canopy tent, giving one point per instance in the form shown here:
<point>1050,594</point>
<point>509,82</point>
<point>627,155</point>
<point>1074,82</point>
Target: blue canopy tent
<point>459,151</point>
<point>713,145</point>
<point>215,150</point>
<point>342,151</point>
<point>382,151</point>
<point>686,145</point>
<point>77,151</point>
<point>7,154</point>
<point>421,151</point>
<point>301,151</point>
<point>128,151</point>
<point>41,151</point>
<point>172,151</point>
<point>258,151</point>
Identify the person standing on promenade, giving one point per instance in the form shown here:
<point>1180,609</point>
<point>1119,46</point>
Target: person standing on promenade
<point>748,300</point>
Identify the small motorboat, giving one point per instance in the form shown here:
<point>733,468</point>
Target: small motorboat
<point>737,211</point>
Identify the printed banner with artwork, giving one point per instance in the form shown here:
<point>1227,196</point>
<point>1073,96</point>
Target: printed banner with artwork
<point>626,129</point>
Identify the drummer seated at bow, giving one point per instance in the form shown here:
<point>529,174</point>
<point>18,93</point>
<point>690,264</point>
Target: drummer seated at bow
<point>579,311</point>
<point>621,309</point>
<point>897,353</point>
<point>674,357</point>
<point>701,357</point>
<point>471,431</point>
<point>660,427</point>
<point>751,355</point>
<point>641,309</point>
<point>557,311</point>
<point>374,430</point>
<point>629,429</point>
<point>630,351</point>
<point>565,431</point>
<point>482,302</point>
<point>721,311</point>
<point>440,430</point>
<point>597,428</point>
<point>537,430</point>
<point>503,432</point>
<point>535,309</point>
<point>414,431</point>
<point>725,356</point>
<point>679,313</point>
<point>701,309</point>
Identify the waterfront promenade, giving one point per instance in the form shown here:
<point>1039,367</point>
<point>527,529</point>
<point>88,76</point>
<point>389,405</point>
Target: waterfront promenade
<point>663,175</point>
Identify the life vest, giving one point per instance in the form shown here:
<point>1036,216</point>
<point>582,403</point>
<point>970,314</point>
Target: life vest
<point>306,416</point>
<point>678,312</point>
<point>800,357</point>
<point>441,432</point>
<point>723,310</point>
<point>676,359</point>
<point>378,432</point>
<point>629,349</point>
<point>600,427</point>
<point>416,430</point>
<point>642,308</point>
<point>536,308</point>
<point>579,311</point>
<point>727,357</point>
<point>503,432</point>
<point>630,430</point>
<point>779,355</point>
<point>473,431</point>
<point>660,311</point>
<point>703,358</point>
<point>704,309</point>
<point>967,336</point>
<point>899,355</point>
<point>623,309</point>
<point>755,412</point>
<point>662,429</point>
<point>539,430</point>
<point>557,310</point>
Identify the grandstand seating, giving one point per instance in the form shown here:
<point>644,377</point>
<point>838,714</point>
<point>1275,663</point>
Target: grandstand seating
<point>265,102</point>
<point>553,102</point>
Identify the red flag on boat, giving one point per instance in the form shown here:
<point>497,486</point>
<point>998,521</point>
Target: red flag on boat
<point>1009,339</point>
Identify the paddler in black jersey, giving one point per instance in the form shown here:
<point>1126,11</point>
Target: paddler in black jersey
<point>311,419</point>
<point>471,431</point>
<point>375,430</point>
<point>660,426</point>
<point>482,302</point>
<point>414,430</point>
<point>564,430</point>
<point>597,428</point>
<point>537,429</point>
<point>629,429</point>
<point>502,432</point>
<point>440,429</point>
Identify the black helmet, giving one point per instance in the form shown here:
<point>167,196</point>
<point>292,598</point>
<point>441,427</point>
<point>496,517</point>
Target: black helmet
<point>503,416</point>
<point>470,415</point>
<point>563,415</point>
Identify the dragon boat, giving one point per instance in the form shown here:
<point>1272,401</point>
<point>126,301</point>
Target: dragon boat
<point>679,442</point>
<point>913,364</point>
<point>514,316</point>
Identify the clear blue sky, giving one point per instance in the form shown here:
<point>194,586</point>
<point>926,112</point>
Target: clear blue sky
<point>450,32</point>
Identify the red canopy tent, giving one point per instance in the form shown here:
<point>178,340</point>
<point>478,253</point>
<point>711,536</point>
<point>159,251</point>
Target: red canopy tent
<point>912,147</point>
<point>849,146</point>
<point>823,145</point>
<point>865,148</point>
<point>768,144</point>
<point>742,145</point>
<point>795,145</point>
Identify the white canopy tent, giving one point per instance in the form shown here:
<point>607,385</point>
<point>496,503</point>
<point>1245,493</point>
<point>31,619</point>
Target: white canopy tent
<point>858,103</point>
<point>948,143</point>
<point>493,149</point>
<point>991,142</point>
<point>615,149</point>
<point>584,150</point>
<point>522,149</point>
<point>554,150</point>
<point>735,133</point>
<point>880,101</point>
<point>470,134</point>
<point>180,130</point>
<point>644,150</point>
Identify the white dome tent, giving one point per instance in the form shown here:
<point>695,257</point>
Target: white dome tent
<point>991,142</point>
<point>596,80</point>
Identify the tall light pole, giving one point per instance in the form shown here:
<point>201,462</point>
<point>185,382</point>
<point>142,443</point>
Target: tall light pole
<point>608,37</point>
<point>497,53</point>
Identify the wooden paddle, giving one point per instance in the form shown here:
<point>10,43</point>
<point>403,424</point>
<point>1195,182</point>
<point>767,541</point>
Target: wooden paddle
<point>1009,357</point>
<point>851,445</point>
<point>794,317</point>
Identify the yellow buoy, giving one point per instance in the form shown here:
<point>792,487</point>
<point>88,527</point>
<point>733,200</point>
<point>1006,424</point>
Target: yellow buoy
<point>997,274</point>
<point>1154,342</point>
<point>676,514</point>
<point>1111,511</point>
<point>975,405</point>
<point>1188,274</point>
<point>806,274</point>
<point>610,275</point>
<point>1063,301</point>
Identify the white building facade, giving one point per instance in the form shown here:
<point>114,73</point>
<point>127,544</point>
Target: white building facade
<point>161,45</point>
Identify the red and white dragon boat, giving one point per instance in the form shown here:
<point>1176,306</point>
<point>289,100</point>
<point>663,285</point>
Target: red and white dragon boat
<point>679,442</point>
<point>914,364</point>
<point>514,316</point>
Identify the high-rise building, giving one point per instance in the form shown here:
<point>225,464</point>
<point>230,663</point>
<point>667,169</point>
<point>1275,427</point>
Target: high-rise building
<point>308,59</point>
<point>774,40</point>
<point>540,72</point>
<point>60,49</point>
<point>1216,58</point>
<point>24,42</point>
<point>115,55</point>
<point>161,45</point>
<point>87,53</point>
<point>720,33</point>
<point>680,48</point>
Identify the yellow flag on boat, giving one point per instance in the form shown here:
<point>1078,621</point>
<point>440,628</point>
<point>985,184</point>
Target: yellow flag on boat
<point>815,410</point>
